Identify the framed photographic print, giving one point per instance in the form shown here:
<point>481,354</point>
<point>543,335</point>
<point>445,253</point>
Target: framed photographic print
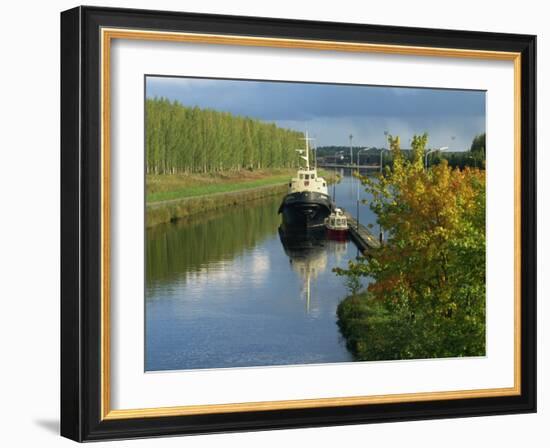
<point>273,223</point>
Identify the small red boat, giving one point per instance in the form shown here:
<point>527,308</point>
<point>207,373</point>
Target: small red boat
<point>337,225</point>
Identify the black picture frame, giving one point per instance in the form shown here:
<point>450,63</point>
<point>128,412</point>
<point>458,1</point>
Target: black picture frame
<point>81,224</point>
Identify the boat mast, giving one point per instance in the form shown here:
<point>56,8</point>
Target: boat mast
<point>301,151</point>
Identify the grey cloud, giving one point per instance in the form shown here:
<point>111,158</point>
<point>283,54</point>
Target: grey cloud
<point>365,110</point>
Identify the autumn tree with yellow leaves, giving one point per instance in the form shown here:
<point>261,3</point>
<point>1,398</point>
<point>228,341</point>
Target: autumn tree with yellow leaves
<point>426,291</point>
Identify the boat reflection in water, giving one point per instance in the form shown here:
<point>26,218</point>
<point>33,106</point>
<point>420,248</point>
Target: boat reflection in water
<point>308,253</point>
<point>222,293</point>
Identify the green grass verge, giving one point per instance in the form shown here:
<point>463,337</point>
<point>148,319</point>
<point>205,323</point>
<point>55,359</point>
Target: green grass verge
<point>171,187</point>
<point>203,190</point>
<point>172,197</point>
<point>162,212</point>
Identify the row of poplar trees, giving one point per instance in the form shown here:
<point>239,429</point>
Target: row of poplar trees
<point>182,139</point>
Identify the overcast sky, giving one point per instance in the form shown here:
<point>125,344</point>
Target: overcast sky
<point>331,112</point>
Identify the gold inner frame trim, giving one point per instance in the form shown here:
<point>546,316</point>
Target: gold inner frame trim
<point>107,35</point>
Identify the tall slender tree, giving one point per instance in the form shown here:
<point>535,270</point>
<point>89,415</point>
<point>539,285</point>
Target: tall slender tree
<point>182,139</point>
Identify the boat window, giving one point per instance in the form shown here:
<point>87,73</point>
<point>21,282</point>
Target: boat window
<point>338,222</point>
<point>324,184</point>
<point>307,176</point>
<point>313,176</point>
<point>301,176</point>
<point>290,184</point>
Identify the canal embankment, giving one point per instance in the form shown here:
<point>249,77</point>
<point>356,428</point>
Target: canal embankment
<point>171,210</point>
<point>170,198</point>
<point>209,272</point>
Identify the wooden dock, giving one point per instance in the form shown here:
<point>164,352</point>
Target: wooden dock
<point>361,236</point>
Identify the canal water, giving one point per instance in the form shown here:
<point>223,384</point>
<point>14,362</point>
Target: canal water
<point>229,289</point>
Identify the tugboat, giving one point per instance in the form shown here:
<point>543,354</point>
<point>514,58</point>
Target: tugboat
<point>337,225</point>
<point>307,202</point>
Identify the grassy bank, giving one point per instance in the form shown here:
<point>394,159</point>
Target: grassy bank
<point>169,187</point>
<point>171,197</point>
<point>167,211</point>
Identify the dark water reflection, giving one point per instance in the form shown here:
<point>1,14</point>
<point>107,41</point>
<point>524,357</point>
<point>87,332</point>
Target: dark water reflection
<point>229,289</point>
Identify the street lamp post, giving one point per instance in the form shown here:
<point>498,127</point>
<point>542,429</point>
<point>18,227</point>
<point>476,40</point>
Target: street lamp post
<point>382,158</point>
<point>350,150</point>
<point>386,133</point>
<point>358,209</point>
<point>443,148</point>
<point>338,156</point>
<point>358,151</point>
<point>314,153</point>
<point>358,184</point>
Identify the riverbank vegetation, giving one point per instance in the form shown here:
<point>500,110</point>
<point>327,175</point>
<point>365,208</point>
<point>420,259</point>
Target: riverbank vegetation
<point>166,187</point>
<point>426,296</point>
<point>170,197</point>
<point>170,211</point>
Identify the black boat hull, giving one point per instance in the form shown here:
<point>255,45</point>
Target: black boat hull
<point>305,209</point>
